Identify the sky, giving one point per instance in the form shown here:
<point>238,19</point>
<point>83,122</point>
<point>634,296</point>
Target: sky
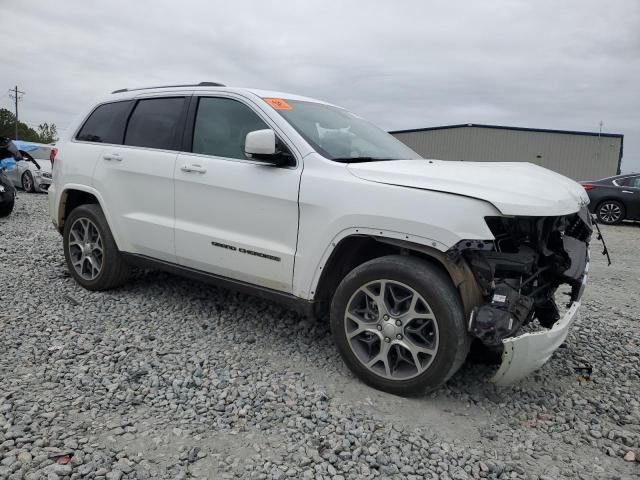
<point>404,64</point>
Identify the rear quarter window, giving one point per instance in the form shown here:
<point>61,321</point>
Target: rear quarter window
<point>628,182</point>
<point>634,182</point>
<point>106,123</point>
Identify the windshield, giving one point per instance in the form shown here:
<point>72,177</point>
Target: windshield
<point>340,135</point>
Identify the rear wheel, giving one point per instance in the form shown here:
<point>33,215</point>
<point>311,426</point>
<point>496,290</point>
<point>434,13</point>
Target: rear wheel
<point>90,251</point>
<point>610,212</point>
<point>27,182</point>
<point>398,323</point>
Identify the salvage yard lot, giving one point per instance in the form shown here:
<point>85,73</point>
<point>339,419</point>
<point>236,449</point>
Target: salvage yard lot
<point>169,378</point>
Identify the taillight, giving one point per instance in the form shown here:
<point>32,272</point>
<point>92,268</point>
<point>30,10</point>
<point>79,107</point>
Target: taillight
<point>52,155</point>
<point>588,187</point>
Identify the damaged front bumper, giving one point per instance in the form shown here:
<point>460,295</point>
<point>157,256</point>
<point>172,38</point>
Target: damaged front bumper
<point>526,353</point>
<point>518,275</point>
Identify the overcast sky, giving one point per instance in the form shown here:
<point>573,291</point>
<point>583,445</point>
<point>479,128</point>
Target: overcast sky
<point>405,64</point>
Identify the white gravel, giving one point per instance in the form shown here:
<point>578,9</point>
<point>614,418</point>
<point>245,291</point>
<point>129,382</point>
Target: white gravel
<point>168,378</point>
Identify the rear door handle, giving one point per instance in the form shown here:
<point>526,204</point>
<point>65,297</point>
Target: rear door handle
<point>627,191</point>
<point>193,168</point>
<point>112,156</point>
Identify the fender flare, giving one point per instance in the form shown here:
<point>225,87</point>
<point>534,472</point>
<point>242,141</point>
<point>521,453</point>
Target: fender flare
<point>459,272</point>
<point>92,191</point>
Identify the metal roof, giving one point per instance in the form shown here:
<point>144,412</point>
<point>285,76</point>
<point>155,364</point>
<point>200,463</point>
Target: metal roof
<point>504,127</point>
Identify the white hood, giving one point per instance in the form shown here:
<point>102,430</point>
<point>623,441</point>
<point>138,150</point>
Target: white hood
<point>514,188</point>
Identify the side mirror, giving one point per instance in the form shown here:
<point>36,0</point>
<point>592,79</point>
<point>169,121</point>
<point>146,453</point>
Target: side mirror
<point>263,145</point>
<point>260,142</point>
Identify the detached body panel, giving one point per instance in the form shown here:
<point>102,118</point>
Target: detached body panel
<point>526,353</point>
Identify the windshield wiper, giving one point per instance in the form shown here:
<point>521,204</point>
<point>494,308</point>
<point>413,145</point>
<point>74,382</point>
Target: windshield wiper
<point>360,159</point>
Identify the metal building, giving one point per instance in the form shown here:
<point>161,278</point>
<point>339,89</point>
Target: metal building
<point>578,155</point>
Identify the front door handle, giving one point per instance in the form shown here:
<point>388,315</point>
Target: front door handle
<point>627,191</point>
<point>193,168</point>
<point>112,156</point>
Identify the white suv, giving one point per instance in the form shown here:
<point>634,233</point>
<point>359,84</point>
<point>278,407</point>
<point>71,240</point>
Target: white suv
<point>301,201</point>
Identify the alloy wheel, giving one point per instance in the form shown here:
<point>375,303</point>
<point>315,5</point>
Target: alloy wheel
<point>27,182</point>
<point>610,212</point>
<point>85,248</point>
<point>391,329</point>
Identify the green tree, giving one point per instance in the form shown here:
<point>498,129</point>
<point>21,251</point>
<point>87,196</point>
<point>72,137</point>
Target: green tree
<point>47,132</point>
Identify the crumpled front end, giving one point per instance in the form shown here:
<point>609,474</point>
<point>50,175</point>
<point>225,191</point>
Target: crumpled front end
<point>518,274</point>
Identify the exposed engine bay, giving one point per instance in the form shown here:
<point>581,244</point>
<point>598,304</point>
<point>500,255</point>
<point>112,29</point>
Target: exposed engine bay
<point>519,272</point>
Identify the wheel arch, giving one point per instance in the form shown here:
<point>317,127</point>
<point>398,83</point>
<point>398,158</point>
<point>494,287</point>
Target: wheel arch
<point>73,196</point>
<point>357,248</point>
<point>611,198</point>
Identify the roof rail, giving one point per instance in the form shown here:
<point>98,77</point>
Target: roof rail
<point>201,84</point>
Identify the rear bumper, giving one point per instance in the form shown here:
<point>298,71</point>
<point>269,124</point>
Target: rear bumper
<point>53,203</point>
<point>526,353</point>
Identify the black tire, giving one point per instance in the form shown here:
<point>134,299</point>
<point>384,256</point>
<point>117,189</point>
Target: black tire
<point>6,208</point>
<point>27,182</point>
<point>610,212</point>
<point>114,271</point>
<point>436,288</point>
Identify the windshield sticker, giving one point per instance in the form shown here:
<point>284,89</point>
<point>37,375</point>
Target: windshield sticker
<point>278,103</point>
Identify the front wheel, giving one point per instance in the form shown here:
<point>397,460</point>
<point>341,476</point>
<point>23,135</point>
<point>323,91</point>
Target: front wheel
<point>27,182</point>
<point>398,323</point>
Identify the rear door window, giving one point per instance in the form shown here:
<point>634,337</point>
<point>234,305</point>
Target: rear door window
<point>106,123</point>
<point>154,123</point>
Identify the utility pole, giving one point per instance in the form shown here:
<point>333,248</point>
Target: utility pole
<point>17,96</point>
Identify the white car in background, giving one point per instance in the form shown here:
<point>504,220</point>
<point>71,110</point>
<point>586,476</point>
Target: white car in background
<point>33,174</point>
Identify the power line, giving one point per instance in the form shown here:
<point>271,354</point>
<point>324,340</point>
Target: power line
<point>16,95</point>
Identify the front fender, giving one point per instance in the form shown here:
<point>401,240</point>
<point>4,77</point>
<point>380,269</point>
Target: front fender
<point>364,231</point>
<point>460,274</point>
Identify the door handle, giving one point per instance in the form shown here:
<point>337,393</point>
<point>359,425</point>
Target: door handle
<point>112,156</point>
<point>193,168</point>
<point>627,191</point>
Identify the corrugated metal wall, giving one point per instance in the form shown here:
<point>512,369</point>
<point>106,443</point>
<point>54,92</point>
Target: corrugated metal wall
<point>581,157</point>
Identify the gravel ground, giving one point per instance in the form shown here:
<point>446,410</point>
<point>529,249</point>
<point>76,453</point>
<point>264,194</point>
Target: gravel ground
<point>168,378</point>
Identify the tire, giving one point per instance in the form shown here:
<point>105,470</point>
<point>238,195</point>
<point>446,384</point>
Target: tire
<point>610,212</point>
<point>6,208</point>
<point>103,268</point>
<point>448,339</point>
<point>27,182</point>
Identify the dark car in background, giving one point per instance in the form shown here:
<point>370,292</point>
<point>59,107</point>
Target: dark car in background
<point>615,199</point>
